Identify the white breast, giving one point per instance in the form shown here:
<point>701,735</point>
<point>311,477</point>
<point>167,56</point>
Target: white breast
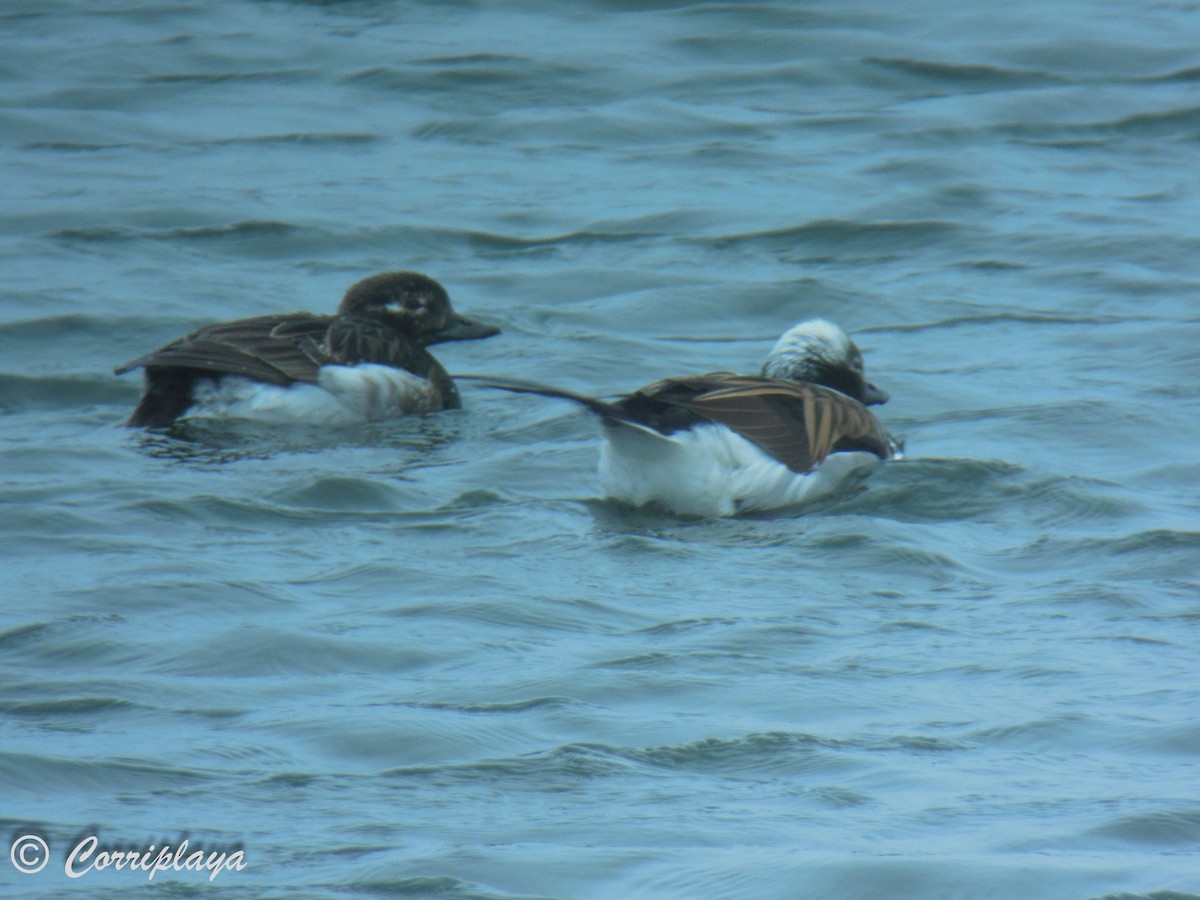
<point>343,395</point>
<point>710,470</point>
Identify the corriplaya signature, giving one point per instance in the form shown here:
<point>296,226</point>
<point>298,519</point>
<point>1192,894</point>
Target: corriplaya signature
<point>29,854</point>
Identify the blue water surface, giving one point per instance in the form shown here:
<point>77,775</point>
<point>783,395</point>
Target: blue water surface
<point>425,657</point>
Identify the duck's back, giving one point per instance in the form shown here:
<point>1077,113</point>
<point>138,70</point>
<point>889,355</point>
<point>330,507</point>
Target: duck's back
<point>274,349</point>
<point>719,444</point>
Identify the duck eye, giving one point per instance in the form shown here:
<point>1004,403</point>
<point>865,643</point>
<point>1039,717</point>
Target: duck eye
<point>408,304</point>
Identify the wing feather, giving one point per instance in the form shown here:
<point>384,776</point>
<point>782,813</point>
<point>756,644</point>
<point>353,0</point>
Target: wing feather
<point>798,424</point>
<point>275,349</point>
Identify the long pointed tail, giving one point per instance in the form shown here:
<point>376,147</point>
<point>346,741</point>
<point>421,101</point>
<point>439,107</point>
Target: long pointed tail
<point>612,414</point>
<point>517,386</point>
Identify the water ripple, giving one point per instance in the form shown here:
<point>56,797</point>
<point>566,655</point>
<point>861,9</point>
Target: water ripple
<point>1177,828</point>
<point>954,76</point>
<point>843,236</point>
<point>753,756</point>
<point>23,393</point>
<point>64,706</point>
<point>20,771</point>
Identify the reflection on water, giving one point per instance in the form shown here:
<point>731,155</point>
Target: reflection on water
<point>215,441</point>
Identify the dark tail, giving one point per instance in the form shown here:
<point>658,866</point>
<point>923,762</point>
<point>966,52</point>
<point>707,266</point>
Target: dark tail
<point>516,386</point>
<point>614,415</point>
<point>167,396</point>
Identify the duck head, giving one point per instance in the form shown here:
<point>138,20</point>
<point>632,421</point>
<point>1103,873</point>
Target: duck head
<point>415,305</point>
<point>818,352</point>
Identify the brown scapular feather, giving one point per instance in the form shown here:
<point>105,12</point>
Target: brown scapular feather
<point>798,424</point>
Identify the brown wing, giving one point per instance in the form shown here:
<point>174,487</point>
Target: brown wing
<point>798,424</point>
<point>275,349</point>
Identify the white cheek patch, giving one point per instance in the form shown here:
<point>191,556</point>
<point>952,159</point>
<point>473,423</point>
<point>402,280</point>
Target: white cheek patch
<point>814,340</point>
<point>407,309</point>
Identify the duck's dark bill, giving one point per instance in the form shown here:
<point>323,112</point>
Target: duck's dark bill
<point>873,395</point>
<point>464,329</point>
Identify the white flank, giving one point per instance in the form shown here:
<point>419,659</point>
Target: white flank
<point>343,395</point>
<point>710,470</point>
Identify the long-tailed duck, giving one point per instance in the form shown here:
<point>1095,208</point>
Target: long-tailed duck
<point>721,444</point>
<point>368,362</point>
